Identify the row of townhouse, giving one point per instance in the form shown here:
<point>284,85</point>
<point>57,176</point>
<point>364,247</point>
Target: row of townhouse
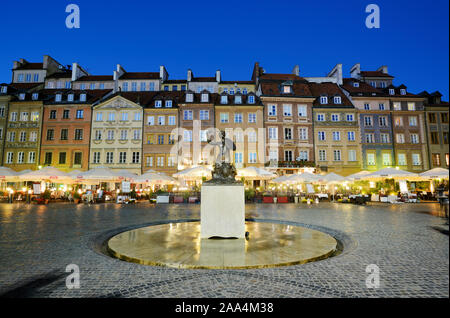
<point>62,116</point>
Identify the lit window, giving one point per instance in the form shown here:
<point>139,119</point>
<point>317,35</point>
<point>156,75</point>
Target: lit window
<point>337,99</point>
<point>323,100</point>
<point>168,103</point>
<point>158,103</point>
<point>82,97</point>
<point>189,98</point>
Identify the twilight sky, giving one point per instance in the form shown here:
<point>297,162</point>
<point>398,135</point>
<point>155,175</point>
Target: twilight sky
<point>413,38</point>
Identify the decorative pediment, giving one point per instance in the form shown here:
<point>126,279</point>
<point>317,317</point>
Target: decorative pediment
<point>117,102</point>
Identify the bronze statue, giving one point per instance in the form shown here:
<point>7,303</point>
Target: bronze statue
<point>224,171</point>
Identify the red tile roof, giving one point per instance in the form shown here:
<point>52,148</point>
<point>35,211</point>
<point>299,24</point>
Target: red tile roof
<point>139,75</point>
<point>274,89</point>
<point>364,88</point>
<point>374,74</point>
<point>31,66</point>
<point>330,90</point>
<point>276,76</point>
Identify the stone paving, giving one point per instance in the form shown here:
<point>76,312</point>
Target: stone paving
<point>38,242</point>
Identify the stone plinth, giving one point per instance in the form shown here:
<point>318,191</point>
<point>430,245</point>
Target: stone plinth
<point>222,211</point>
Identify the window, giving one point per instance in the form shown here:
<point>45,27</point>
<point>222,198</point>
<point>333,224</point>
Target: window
<point>303,133</point>
<point>444,118</point>
<point>402,91</point>
<point>413,121</point>
<point>252,137</point>
<point>387,159</point>
<point>337,99</point>
<point>187,115</point>
<point>224,118</point>
<point>66,114</point>
<point>224,99</point>
<point>134,86</point>
<point>9,157</point>
<point>152,86</point>
<point>383,84</point>
<point>384,138</point>
<point>62,158</point>
<point>109,157</point>
<point>36,77</point>
<point>31,157</point>
<point>350,117</point>
<point>98,135</point>
<point>24,116</point>
<point>287,110</point>
<point>125,87</point>
<point>136,157</point>
<point>122,157</point>
<point>28,78</point>
<point>436,158</point>
<point>401,159</point>
<point>58,97</point>
<point>187,135</point>
<point>96,158</point>
<point>286,89</point>
<point>381,106</point>
<point>171,139</point>
<point>416,159</point>
<point>323,100</point>
<point>166,88</point>
<point>34,96</point>
<point>382,121</point>
<point>13,116</point>
<point>336,136</point>
<point>124,116</point>
<point>172,120</point>
<point>151,120</point>
<point>273,155</point>
<point>273,133</point>
<point>161,120</point>
<point>149,161</point>
<point>158,103</point>
<point>2,111</point>
<point>78,134</point>
<point>23,136</point>
<point>1,133</point>
<point>123,134</point>
<point>160,161</point>
<point>355,84</point>
<point>11,136</point>
<point>366,106</point>
<point>370,138</point>
<point>168,103</point>
<point>204,98</point>
<point>142,87</point>
<point>411,106</point>
<point>252,157</point>
<point>447,159</point>
<point>367,120</point>
<point>238,99</point>
<point>189,98</point>
<point>33,136</point>
<point>397,106</point>
<point>251,99</point>
<point>20,78</point>
<point>272,110</point>
<point>136,134</point>
<point>4,89</point>
<point>50,134</point>
<point>204,114</point>
<point>398,121</point>
<point>337,155</point>
<point>48,158</point>
<point>82,97</point>
<point>252,118</point>
<point>111,116</point>
<point>288,133</point>
<point>65,134</point>
<point>288,155</point>
<point>79,114</point>
<point>238,117</point>
<point>445,137</point>
<point>373,84</point>
<point>371,159</point>
<point>321,135</point>
<point>110,135</point>
<point>20,157</point>
<point>434,138</point>
<point>183,87</point>
<point>351,136</point>
<point>400,138</point>
<point>302,111</point>
<point>203,136</point>
<point>303,155</point>
<point>414,138</point>
<point>174,88</point>
<point>352,155</point>
<point>322,155</point>
<point>68,85</point>
<point>334,117</point>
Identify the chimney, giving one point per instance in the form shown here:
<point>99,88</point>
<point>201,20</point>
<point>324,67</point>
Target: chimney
<point>189,75</point>
<point>163,75</point>
<point>296,70</point>
<point>383,69</point>
<point>218,76</point>
<point>45,62</point>
<point>336,72</point>
<point>355,71</point>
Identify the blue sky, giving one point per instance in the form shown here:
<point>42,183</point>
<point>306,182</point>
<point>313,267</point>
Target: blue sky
<point>413,39</point>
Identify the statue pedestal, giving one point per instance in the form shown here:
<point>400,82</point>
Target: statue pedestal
<point>222,211</point>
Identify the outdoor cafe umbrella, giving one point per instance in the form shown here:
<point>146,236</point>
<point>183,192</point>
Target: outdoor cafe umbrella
<point>280,179</point>
<point>255,173</point>
<point>125,175</point>
<point>392,173</point>
<point>332,178</point>
<point>436,173</point>
<point>358,176</point>
<point>45,174</point>
<point>193,173</point>
<point>304,177</point>
<point>156,178</point>
<point>8,174</point>
<point>100,174</point>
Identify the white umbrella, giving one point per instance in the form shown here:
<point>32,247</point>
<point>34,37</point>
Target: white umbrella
<point>194,173</point>
<point>436,173</point>
<point>46,173</point>
<point>8,174</point>
<point>358,176</point>
<point>255,173</point>
<point>331,178</point>
<point>304,177</point>
<point>391,173</point>
<point>125,175</point>
<point>153,177</point>
<point>100,174</point>
<point>280,179</point>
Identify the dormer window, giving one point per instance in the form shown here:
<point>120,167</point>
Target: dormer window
<point>82,97</point>
<point>70,97</point>
<point>337,99</point>
<point>238,99</point>
<point>402,91</point>
<point>35,96</point>
<point>244,91</point>
<point>58,97</point>
<point>189,98</point>
<point>158,103</point>
<point>231,91</point>
<point>391,91</point>
<point>22,96</point>
<point>204,98</point>
<point>225,90</point>
<point>168,103</point>
<point>224,99</point>
<point>355,84</point>
<point>4,89</point>
<point>251,99</point>
<point>287,89</point>
<point>323,100</point>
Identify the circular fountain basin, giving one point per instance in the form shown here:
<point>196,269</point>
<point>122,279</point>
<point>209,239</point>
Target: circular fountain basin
<point>179,245</point>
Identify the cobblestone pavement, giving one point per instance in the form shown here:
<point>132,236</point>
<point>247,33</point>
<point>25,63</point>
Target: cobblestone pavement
<point>38,242</point>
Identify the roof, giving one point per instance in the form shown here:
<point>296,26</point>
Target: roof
<point>91,95</point>
<point>364,88</point>
<point>174,81</point>
<point>139,75</point>
<point>299,89</point>
<point>277,76</point>
<point>330,90</point>
<point>203,79</point>
<point>24,86</point>
<point>374,74</point>
<point>237,82</point>
<point>397,91</point>
<point>147,99</point>
<point>91,78</point>
<point>244,102</point>
<point>61,74</point>
<point>31,66</point>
